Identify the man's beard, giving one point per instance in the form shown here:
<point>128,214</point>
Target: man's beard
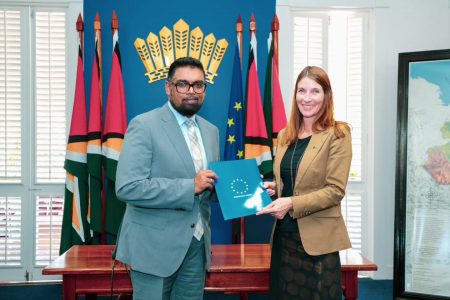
<point>187,109</point>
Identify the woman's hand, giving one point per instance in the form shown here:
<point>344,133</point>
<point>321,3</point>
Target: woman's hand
<point>277,208</point>
<point>270,187</point>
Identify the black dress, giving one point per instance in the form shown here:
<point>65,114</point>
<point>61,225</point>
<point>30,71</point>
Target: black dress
<point>294,274</point>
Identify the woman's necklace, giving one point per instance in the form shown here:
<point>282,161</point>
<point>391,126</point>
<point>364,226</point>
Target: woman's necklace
<point>298,164</point>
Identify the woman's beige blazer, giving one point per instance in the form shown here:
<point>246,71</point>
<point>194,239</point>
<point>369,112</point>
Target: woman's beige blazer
<point>319,188</point>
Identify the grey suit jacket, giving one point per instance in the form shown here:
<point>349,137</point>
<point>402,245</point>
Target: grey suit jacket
<point>155,178</point>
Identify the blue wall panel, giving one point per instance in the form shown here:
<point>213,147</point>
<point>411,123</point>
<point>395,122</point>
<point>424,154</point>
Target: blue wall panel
<point>138,19</point>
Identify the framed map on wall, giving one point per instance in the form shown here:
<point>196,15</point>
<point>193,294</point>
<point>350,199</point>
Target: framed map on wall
<point>422,213</point>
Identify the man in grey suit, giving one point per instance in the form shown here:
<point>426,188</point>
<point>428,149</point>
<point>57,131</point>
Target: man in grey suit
<point>165,235</point>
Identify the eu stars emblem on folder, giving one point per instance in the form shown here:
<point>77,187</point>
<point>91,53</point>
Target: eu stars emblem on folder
<point>239,188</point>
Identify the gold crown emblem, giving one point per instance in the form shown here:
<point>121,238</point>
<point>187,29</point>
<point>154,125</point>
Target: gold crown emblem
<point>175,45</point>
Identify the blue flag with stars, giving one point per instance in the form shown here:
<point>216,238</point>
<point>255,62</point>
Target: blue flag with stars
<point>234,138</point>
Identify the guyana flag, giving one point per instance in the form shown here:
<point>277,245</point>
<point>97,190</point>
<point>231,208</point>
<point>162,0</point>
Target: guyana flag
<point>274,112</point>
<point>75,227</point>
<point>257,144</point>
<point>94,150</point>
<point>114,131</point>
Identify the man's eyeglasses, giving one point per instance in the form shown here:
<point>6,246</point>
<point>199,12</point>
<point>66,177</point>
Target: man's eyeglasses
<point>183,86</point>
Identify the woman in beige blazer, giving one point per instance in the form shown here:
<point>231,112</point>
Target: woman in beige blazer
<point>311,169</point>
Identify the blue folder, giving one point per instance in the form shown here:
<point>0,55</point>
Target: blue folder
<point>239,188</point>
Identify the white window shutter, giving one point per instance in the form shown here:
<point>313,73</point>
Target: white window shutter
<point>352,213</point>
<point>355,90</point>
<point>50,89</point>
<point>49,213</point>
<point>50,96</point>
<point>33,90</point>
<point>309,41</point>
<point>10,231</point>
<point>10,97</point>
<point>351,110</point>
<point>346,75</point>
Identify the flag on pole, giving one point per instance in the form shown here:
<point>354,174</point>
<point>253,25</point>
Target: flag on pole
<point>234,138</point>
<point>274,112</point>
<point>75,228</point>
<point>256,140</point>
<point>94,150</point>
<point>114,131</point>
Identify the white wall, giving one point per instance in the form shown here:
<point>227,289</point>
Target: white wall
<point>398,26</point>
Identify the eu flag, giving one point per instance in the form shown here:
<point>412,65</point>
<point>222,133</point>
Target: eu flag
<point>234,138</point>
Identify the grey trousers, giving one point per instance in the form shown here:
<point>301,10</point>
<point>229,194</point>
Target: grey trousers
<point>187,283</point>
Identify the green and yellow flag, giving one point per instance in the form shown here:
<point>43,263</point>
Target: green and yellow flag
<point>257,144</point>
<point>114,131</point>
<point>94,150</point>
<point>75,228</point>
<point>274,112</point>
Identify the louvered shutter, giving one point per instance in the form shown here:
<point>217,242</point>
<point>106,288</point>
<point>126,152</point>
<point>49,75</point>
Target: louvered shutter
<point>10,135</point>
<point>49,211</point>
<point>50,88</point>
<point>33,102</point>
<point>50,96</point>
<point>309,41</point>
<point>352,204</point>
<point>355,90</point>
<point>10,231</point>
<point>10,97</point>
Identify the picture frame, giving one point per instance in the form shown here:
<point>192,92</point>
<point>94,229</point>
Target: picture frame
<point>422,192</point>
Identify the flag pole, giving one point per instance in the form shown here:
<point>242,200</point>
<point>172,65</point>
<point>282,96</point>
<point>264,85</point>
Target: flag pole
<point>242,220</point>
<point>114,22</point>
<point>253,27</point>
<point>275,29</point>
<point>252,30</point>
<point>80,29</point>
<point>239,223</point>
<point>113,133</point>
<point>274,112</point>
<point>98,36</point>
<point>75,223</point>
<point>239,30</point>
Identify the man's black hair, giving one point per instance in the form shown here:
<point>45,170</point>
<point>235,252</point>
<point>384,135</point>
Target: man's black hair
<point>184,62</point>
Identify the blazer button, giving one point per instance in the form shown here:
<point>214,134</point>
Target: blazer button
<point>192,225</point>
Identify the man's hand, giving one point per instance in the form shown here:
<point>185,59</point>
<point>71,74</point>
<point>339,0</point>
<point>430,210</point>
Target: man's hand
<point>204,179</point>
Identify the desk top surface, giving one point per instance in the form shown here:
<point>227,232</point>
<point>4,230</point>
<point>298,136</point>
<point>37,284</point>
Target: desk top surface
<point>225,258</point>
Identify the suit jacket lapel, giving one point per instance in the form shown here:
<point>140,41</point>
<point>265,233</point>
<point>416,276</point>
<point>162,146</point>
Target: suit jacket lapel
<point>174,134</point>
<point>314,146</point>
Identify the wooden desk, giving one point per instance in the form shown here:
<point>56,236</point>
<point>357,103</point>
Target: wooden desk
<point>237,268</point>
